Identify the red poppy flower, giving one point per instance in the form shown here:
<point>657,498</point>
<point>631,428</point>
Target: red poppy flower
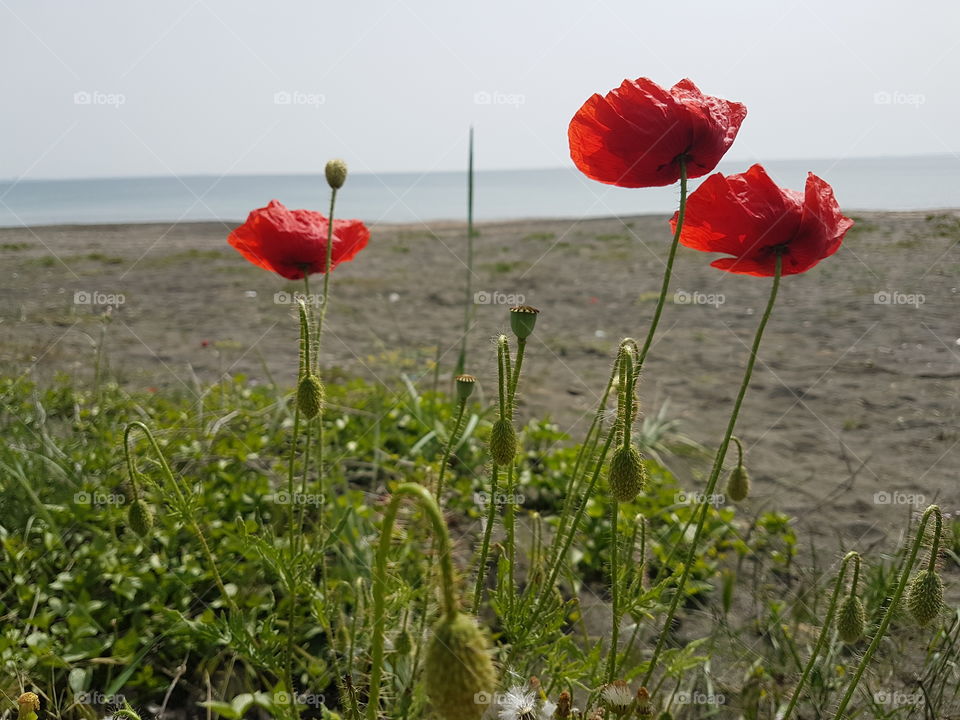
<point>635,135</point>
<point>293,243</point>
<point>749,217</point>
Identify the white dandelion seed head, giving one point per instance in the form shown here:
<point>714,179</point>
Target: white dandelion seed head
<point>518,703</point>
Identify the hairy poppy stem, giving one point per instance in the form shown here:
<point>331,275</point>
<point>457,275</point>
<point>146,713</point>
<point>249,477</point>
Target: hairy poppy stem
<point>487,533</point>
<point>669,270</point>
<point>468,299</point>
<point>448,450</point>
<point>704,505</point>
<point>894,603</point>
<point>426,501</point>
<point>851,556</point>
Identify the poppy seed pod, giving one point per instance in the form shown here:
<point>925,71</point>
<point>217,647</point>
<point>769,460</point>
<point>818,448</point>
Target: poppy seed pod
<point>336,172</point>
<point>458,671</point>
<point>851,620</point>
<point>310,395</point>
<point>140,517</point>
<point>503,442</point>
<point>465,385</point>
<point>27,706</point>
<point>925,598</point>
<point>523,318</point>
<point>738,484</point>
<point>627,474</point>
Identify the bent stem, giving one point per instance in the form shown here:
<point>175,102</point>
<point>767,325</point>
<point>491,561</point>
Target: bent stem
<point>851,556</point>
<point>182,500</point>
<point>895,601</point>
<point>704,506</point>
<point>442,536</point>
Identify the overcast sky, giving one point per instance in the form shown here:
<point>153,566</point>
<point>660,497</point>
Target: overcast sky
<point>129,87</point>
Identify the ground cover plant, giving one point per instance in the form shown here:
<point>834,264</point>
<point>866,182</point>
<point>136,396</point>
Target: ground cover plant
<point>340,550</point>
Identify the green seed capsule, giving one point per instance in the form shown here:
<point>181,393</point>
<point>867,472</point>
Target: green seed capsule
<point>627,475</point>
<point>925,598</point>
<point>458,671</point>
<point>310,395</point>
<point>503,442</point>
<point>465,385</point>
<point>851,620</point>
<point>523,318</point>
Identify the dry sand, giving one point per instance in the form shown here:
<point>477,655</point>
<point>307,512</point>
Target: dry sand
<point>853,408</point>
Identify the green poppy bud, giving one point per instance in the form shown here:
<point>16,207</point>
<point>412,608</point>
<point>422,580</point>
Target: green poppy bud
<point>336,172</point>
<point>523,318</point>
<point>851,620</point>
<point>503,442</point>
<point>458,671</point>
<point>627,475</point>
<point>140,517</point>
<point>403,643</point>
<point>310,395</point>
<point>738,484</point>
<point>925,598</point>
<point>465,385</point>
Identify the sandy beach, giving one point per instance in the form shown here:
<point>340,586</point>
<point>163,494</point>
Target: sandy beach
<point>851,418</point>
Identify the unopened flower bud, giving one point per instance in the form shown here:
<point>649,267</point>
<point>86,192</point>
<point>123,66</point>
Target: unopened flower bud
<point>523,318</point>
<point>503,442</point>
<point>336,172</point>
<point>851,620</point>
<point>644,708</point>
<point>564,706</point>
<point>310,395</point>
<point>458,671</point>
<point>465,385</point>
<point>403,643</point>
<point>140,517</point>
<point>738,484</point>
<point>925,598</point>
<point>627,475</point>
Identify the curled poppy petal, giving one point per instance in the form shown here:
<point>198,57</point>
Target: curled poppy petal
<point>750,218</point>
<point>636,134</point>
<point>293,243</point>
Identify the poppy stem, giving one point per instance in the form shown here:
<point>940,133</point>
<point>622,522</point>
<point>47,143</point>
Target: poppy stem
<point>669,269</point>
<point>824,631</point>
<point>468,299</point>
<point>427,503</point>
<point>893,607</point>
<point>704,506</point>
<point>326,272</point>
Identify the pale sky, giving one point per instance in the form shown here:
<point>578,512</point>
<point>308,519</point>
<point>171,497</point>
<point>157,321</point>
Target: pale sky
<point>105,88</point>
